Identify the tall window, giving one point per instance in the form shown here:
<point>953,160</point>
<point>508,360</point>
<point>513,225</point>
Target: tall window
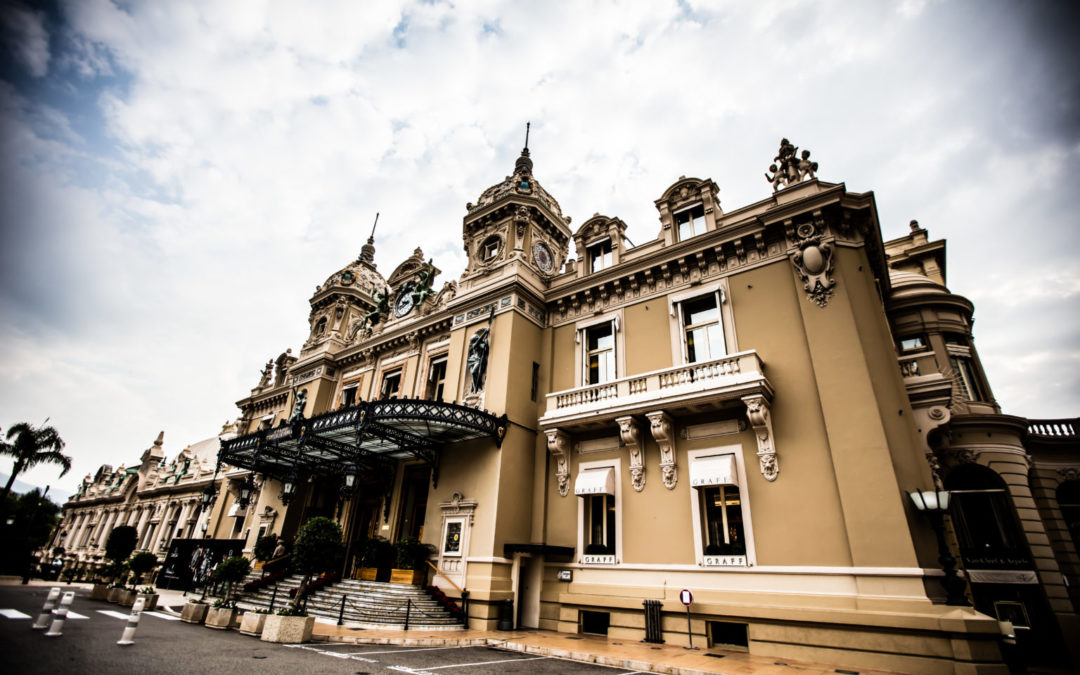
<point>436,380</point>
<point>348,396</point>
<point>600,524</point>
<point>690,222</point>
<point>721,516</point>
<point>703,331</point>
<point>963,366</point>
<point>600,353</point>
<point>1068,498</point>
<point>982,513</point>
<point>599,255</point>
<point>391,384</point>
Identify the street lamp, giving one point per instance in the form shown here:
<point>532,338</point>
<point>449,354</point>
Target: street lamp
<point>288,486</point>
<point>934,503</point>
<point>207,496</point>
<point>245,492</point>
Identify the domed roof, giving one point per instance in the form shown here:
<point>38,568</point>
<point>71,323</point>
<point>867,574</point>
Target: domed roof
<point>521,183</point>
<point>907,284</point>
<point>358,274</point>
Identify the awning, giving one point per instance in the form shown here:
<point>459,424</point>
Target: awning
<point>595,482</point>
<point>370,434</point>
<point>715,470</point>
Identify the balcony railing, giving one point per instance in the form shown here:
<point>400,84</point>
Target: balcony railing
<point>1064,428</point>
<point>733,376</point>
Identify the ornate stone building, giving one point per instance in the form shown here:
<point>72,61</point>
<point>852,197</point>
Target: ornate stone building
<point>740,407</point>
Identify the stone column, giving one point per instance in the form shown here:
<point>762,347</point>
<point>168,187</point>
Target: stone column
<point>140,529</point>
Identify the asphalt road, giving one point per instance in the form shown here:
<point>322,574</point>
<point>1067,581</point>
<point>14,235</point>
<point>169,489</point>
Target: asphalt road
<point>88,646</point>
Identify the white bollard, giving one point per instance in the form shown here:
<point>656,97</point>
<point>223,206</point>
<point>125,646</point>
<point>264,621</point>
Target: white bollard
<point>46,609</point>
<point>56,629</point>
<point>128,638</point>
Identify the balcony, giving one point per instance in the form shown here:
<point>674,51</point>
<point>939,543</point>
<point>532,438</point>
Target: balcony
<point>684,389</point>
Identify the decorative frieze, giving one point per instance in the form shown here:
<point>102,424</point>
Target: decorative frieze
<point>663,431</point>
<point>757,410</point>
<point>558,442</point>
<point>630,432</point>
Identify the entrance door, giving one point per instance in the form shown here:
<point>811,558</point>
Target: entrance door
<point>414,492</point>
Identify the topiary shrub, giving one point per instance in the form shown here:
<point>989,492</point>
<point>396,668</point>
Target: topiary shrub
<point>119,546</point>
<point>232,571</point>
<point>412,553</point>
<point>264,547</point>
<point>141,564</point>
<point>318,549</point>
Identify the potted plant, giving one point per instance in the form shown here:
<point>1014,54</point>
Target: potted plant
<point>230,572</point>
<point>264,550</point>
<point>411,563</point>
<point>253,621</point>
<point>317,549</point>
<point>194,611</point>
<point>149,597</point>
<point>140,565</point>
<point>118,547</point>
<point>375,559</point>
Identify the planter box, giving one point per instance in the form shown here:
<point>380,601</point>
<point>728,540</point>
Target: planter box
<point>288,629</point>
<point>368,574</point>
<point>99,592</point>
<point>407,576</point>
<point>252,623</point>
<point>127,598</point>
<point>194,612</point>
<point>149,600</point>
<point>221,619</point>
<point>114,594</point>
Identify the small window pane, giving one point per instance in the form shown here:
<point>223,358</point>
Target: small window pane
<point>912,343</point>
<point>690,222</point>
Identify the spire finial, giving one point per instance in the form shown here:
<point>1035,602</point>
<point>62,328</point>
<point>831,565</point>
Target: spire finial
<point>371,239</point>
<point>527,125</point>
<point>524,164</point>
<point>367,251</point>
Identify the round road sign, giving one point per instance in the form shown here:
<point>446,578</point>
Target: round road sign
<point>686,597</point>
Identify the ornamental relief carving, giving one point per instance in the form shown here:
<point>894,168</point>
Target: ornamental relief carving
<point>558,442</point>
<point>663,431</point>
<point>812,260</point>
<point>630,433</point>
<point>757,410</point>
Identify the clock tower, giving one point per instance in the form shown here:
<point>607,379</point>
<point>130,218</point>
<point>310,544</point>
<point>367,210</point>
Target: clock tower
<point>515,226</point>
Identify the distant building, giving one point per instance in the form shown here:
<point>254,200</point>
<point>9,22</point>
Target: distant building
<point>739,407</point>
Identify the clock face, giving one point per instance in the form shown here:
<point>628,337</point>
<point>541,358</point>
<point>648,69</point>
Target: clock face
<point>542,256</point>
<point>403,305</point>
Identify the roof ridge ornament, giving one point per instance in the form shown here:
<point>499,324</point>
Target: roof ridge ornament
<point>788,169</point>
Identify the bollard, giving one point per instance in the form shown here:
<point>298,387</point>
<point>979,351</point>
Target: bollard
<point>128,638</point>
<point>56,629</point>
<point>46,609</point>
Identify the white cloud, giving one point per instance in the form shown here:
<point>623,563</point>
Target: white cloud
<point>24,34</point>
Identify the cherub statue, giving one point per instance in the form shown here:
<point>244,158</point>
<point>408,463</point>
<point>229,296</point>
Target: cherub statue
<point>806,167</point>
<point>776,179</point>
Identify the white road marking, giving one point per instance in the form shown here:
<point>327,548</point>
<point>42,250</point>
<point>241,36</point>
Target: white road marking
<point>109,612</point>
<point>13,614</point>
<point>76,615</point>
<point>412,649</point>
<point>483,663</point>
<point>337,655</point>
<point>167,617</point>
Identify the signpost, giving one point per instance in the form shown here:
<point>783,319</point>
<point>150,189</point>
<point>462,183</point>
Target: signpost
<point>686,597</point>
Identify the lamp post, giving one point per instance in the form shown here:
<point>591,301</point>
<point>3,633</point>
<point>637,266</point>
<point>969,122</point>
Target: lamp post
<point>245,492</point>
<point>288,487</point>
<point>934,503</point>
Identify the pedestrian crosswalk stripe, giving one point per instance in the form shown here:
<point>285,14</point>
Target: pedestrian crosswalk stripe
<point>167,617</point>
<point>13,614</point>
<point>109,612</point>
<point>76,615</point>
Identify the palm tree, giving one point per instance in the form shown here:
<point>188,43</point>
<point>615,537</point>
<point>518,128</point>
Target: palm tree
<point>32,446</point>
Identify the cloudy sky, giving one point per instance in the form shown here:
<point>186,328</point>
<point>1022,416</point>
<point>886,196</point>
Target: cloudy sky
<point>178,176</point>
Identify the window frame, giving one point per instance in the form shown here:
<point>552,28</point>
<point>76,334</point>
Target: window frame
<point>606,258</point>
<point>615,464</point>
<point>399,371</point>
<point>581,346</point>
<point>355,388</point>
<point>696,509</point>
<point>442,357</point>
<point>726,320</point>
<point>686,209</point>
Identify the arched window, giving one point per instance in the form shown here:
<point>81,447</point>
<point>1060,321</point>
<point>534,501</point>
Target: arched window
<point>1068,498</point>
<point>982,513</point>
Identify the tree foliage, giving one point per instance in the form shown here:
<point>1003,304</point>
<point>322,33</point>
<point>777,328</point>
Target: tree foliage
<point>264,547</point>
<point>141,563</point>
<point>121,543</point>
<point>29,446</point>
<point>318,547</point>
<point>29,522</point>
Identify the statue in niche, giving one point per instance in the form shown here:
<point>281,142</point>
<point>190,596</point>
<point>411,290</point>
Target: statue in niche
<point>298,406</point>
<point>478,355</point>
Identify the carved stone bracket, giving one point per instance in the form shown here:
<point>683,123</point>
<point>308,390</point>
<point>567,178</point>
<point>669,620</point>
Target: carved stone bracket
<point>1070,473</point>
<point>965,456</point>
<point>630,432</point>
<point>813,263</point>
<point>663,430</point>
<point>558,442</point>
<point>757,410</point>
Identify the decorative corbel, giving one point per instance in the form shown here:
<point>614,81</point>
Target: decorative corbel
<point>757,409</point>
<point>813,263</point>
<point>663,431</point>
<point>630,432</point>
<point>558,442</point>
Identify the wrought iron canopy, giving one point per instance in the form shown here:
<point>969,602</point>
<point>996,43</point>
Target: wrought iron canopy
<point>369,434</point>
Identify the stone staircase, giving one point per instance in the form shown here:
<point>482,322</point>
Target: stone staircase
<point>368,604</point>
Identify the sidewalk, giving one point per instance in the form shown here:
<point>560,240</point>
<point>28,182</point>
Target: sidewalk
<point>591,649</point>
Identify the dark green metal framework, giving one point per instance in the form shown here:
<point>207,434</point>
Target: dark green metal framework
<point>370,434</point>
